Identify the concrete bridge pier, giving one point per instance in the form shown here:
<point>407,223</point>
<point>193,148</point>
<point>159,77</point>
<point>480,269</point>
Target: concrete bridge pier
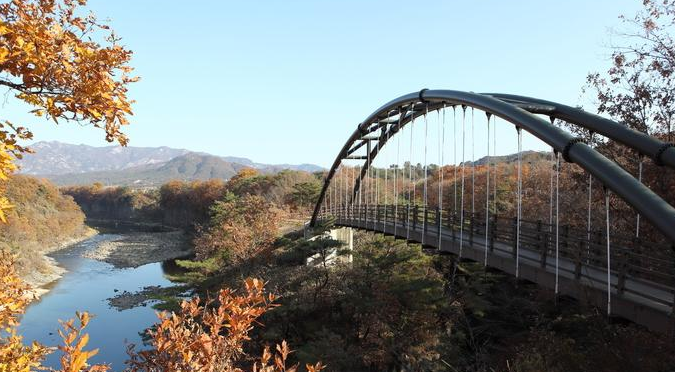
<point>345,235</point>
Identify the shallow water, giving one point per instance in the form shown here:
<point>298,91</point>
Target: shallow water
<point>86,287</point>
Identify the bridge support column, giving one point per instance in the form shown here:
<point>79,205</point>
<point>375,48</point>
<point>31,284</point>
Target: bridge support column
<point>346,236</point>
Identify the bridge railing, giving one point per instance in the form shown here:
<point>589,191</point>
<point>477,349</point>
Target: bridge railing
<point>639,259</point>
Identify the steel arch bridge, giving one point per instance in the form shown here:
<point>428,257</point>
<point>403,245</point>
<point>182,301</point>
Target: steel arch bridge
<point>606,270</point>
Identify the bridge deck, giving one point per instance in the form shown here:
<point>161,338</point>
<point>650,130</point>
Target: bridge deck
<point>638,299</point>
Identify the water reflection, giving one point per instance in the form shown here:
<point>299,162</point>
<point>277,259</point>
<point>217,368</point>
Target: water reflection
<point>86,286</point>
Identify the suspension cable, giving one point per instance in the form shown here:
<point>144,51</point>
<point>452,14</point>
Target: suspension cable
<point>398,156</point>
<point>414,178</point>
<point>553,166</point>
<point>441,153</point>
<point>345,189</point>
<point>338,186</point>
<point>348,182</point>
<point>496,170</point>
<point>328,199</point>
<point>352,180</point>
<point>609,267</point>
<point>454,156</point>
<point>343,194</point>
<point>550,206</point>
<point>368,196</point>
<point>590,201</point>
<point>354,200</point>
<point>424,211</point>
<point>386,175</point>
<point>637,222</point>
<point>550,194</point>
<point>376,194</point>
<point>473,170</point>
<point>325,202</point>
<point>557,221</point>
<point>371,189</point>
<point>520,198</point>
<point>360,208</point>
<point>368,183</point>
<point>461,213</point>
<point>410,193</point>
<point>336,192</point>
<point>374,186</point>
<point>487,192</point>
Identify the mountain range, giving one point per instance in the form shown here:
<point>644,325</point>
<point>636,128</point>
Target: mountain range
<point>527,156</point>
<point>68,164</point>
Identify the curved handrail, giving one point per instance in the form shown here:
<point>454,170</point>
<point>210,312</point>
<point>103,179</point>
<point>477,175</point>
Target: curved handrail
<point>640,197</point>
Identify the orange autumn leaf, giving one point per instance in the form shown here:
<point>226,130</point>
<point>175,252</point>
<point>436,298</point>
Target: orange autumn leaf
<point>50,61</point>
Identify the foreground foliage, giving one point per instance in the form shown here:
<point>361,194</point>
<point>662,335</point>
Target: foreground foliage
<point>17,357</point>
<point>50,61</point>
<point>201,337</point>
<point>209,337</point>
<point>395,307</point>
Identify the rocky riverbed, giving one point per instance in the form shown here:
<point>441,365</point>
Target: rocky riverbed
<point>119,293</point>
<point>125,300</point>
<point>139,248</point>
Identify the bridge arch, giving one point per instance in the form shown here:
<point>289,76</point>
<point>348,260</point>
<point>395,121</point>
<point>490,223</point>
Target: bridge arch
<point>522,112</point>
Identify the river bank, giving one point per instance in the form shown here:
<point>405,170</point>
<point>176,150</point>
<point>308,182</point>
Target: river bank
<point>87,285</point>
<point>49,270</point>
<point>133,247</point>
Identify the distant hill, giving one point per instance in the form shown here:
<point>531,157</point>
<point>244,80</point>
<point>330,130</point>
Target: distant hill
<point>68,164</point>
<point>528,156</point>
<point>62,158</point>
<point>271,168</point>
<point>188,167</point>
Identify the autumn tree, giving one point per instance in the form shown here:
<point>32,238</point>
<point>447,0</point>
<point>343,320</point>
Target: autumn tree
<point>638,89</point>
<point>187,204</point>
<point>67,66</point>
<point>243,174</point>
<point>240,228</point>
<point>250,181</point>
<point>379,312</point>
<point>209,336</point>
<point>304,195</point>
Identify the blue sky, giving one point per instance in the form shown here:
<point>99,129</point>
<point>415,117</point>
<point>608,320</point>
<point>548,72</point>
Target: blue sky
<point>287,81</point>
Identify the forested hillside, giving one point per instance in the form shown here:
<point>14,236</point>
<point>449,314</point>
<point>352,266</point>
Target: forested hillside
<point>42,220</point>
<point>187,204</point>
<point>394,306</point>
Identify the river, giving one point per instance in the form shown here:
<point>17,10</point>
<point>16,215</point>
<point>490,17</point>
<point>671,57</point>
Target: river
<point>86,287</point>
